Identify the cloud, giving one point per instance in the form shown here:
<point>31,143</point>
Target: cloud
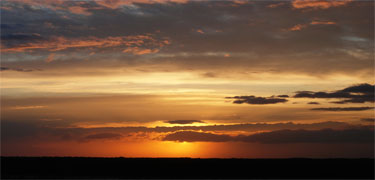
<point>274,5</point>
<point>17,69</point>
<point>175,21</point>
<point>322,23</point>
<point>368,120</point>
<point>192,136</point>
<point>184,121</point>
<point>50,58</point>
<point>354,94</point>
<point>297,27</point>
<point>313,103</point>
<point>364,135</point>
<point>59,130</point>
<point>104,136</point>
<point>137,44</point>
<point>256,100</point>
<point>139,51</point>
<point>318,4</point>
<point>27,107</point>
<point>343,109</point>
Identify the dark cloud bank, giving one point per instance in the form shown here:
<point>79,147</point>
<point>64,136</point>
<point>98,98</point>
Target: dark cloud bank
<point>343,109</point>
<point>354,94</point>
<point>29,131</point>
<point>184,121</point>
<point>281,136</point>
<point>257,100</point>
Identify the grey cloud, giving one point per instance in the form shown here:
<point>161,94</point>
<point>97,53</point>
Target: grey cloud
<point>354,94</point>
<point>104,136</point>
<point>282,136</point>
<point>17,69</point>
<point>256,100</point>
<point>13,130</point>
<point>184,121</point>
<point>343,109</point>
<point>249,32</point>
<point>316,103</point>
<point>368,120</point>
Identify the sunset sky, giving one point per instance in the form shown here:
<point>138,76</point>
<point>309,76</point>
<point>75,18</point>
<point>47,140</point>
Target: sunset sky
<point>184,78</point>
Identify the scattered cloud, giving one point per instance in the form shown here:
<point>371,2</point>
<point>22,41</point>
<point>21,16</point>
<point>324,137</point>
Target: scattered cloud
<point>256,100</point>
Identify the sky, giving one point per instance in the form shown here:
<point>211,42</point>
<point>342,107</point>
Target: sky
<point>184,78</point>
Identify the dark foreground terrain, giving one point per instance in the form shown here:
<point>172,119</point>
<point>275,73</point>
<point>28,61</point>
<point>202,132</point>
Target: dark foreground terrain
<point>77,167</point>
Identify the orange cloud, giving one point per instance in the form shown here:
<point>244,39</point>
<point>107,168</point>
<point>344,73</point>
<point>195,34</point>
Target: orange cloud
<point>114,4</point>
<point>74,7</point>
<point>50,58</point>
<point>27,107</point>
<point>322,22</point>
<point>200,31</point>
<point>78,7</point>
<point>62,43</point>
<point>79,10</point>
<point>276,5</point>
<point>318,4</point>
<point>297,27</point>
<point>139,51</point>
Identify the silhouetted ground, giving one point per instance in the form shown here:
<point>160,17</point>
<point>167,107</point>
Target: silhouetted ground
<point>78,167</point>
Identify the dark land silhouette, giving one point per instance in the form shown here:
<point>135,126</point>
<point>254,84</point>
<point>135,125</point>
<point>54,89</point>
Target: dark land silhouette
<point>82,167</point>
